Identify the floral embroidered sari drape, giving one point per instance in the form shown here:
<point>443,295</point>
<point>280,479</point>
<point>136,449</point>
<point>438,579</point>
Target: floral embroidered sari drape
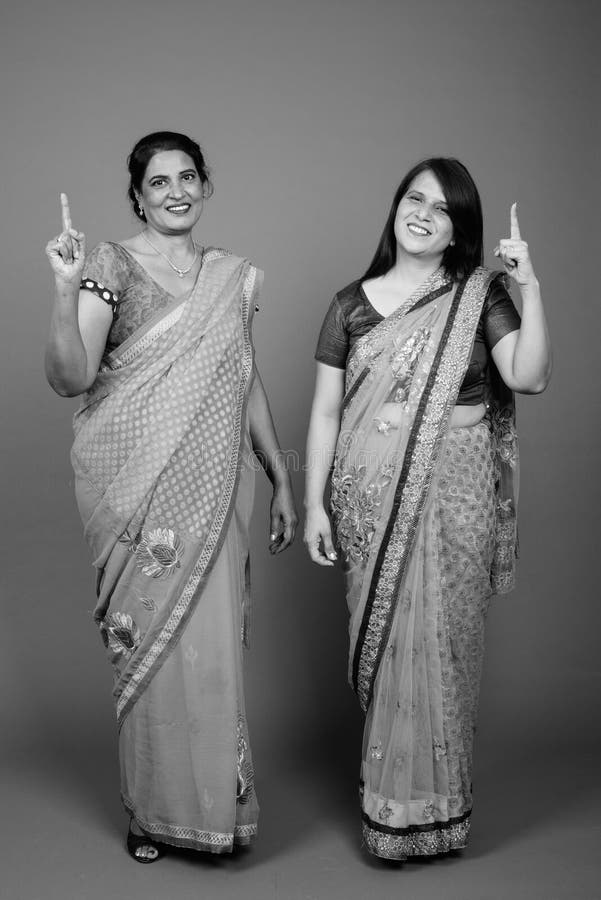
<point>424,517</point>
<point>164,484</point>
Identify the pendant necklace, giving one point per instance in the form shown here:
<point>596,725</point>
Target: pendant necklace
<point>179,272</point>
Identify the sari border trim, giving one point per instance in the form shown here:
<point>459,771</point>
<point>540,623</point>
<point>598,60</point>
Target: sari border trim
<point>127,352</point>
<point>354,388</point>
<point>201,570</point>
<point>194,838</point>
<point>414,480</point>
<point>416,840</point>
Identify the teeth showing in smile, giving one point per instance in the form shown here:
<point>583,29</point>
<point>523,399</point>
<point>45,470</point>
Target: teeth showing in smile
<point>417,229</point>
<point>183,208</point>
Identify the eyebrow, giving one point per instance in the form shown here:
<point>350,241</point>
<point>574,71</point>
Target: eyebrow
<point>183,172</point>
<point>421,193</point>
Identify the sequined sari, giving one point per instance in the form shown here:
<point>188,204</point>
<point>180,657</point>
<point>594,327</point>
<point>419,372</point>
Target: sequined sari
<point>164,483</point>
<point>424,517</point>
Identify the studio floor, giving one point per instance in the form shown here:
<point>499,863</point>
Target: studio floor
<point>535,832</point>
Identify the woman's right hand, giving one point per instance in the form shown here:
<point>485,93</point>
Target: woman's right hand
<point>67,251</point>
<point>318,537</point>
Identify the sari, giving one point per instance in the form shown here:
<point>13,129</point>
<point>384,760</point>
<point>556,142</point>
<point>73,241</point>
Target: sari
<point>424,517</point>
<point>164,485</point>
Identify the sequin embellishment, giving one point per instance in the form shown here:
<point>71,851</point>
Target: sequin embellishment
<point>391,845</point>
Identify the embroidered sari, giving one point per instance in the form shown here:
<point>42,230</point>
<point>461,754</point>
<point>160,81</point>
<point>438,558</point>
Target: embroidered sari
<point>424,518</point>
<point>164,484</point>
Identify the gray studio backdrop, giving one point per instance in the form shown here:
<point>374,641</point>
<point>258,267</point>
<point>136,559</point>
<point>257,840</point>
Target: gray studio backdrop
<point>309,114</point>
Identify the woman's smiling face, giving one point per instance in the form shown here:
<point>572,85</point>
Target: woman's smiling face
<point>422,225</point>
<point>172,192</point>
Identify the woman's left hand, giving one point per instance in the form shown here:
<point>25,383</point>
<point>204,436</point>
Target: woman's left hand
<point>513,253</point>
<point>283,518</point>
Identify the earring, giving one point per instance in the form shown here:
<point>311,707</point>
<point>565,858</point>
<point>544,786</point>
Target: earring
<point>140,208</point>
<point>452,243</point>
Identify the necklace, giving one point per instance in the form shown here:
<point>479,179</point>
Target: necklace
<point>179,272</point>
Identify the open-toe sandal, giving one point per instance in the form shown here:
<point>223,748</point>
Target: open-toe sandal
<point>138,845</point>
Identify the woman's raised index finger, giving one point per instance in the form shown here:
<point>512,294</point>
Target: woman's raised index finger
<point>66,213</point>
<point>515,225</point>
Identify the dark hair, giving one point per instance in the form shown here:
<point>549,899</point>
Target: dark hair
<point>157,142</point>
<point>465,212</point>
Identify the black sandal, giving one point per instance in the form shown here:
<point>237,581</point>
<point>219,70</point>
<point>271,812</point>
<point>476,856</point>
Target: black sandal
<point>135,842</point>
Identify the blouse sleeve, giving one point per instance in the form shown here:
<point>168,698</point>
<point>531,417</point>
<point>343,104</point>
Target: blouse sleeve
<point>499,315</point>
<point>101,274</point>
<point>333,342</point>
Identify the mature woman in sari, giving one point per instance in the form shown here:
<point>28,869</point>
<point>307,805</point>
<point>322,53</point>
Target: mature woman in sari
<point>155,331</point>
<point>417,365</point>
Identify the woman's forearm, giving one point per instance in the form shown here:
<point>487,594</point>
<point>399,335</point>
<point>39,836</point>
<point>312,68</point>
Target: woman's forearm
<point>66,359</point>
<point>263,434</point>
<point>283,516</point>
<point>324,428</point>
<point>321,447</point>
<point>532,353</point>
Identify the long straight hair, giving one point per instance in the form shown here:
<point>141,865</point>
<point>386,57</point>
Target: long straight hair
<point>465,212</point>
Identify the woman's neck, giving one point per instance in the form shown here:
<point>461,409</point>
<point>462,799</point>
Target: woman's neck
<point>175,245</point>
<point>412,270</point>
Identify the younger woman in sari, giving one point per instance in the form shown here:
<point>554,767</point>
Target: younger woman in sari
<point>155,331</point>
<point>417,365</point>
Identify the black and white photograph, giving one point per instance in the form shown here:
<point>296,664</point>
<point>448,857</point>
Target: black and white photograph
<point>301,450</point>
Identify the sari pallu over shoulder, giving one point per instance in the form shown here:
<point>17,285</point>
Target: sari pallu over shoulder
<point>157,448</point>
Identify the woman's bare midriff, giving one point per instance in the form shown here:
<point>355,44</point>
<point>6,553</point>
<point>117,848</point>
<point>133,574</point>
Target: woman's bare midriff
<point>391,416</point>
<point>467,416</point>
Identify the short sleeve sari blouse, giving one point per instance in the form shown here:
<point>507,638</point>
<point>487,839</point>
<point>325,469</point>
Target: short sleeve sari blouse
<point>351,316</point>
<point>117,278</point>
